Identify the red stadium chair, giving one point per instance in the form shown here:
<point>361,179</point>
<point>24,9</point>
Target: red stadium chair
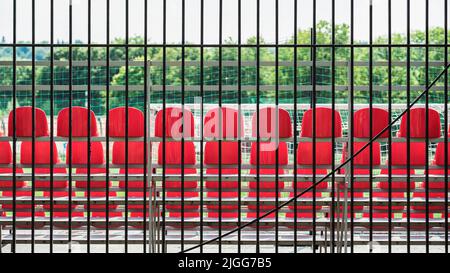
<point>79,122</point>
<point>78,153</point>
<point>436,188</point>
<point>42,157</point>
<point>362,128</point>
<point>178,123</point>
<point>228,119</point>
<point>322,157</point>
<point>135,151</point>
<point>418,152</point>
<point>6,158</point>
<point>24,126</point>
<point>269,150</point>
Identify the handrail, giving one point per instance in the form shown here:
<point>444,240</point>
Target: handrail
<point>330,173</point>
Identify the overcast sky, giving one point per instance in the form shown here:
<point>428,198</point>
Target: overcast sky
<point>230,27</point>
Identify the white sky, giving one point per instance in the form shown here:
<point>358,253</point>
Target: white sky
<point>230,24</point>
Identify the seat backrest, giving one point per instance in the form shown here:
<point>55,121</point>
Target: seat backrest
<point>117,122</point>
<point>418,126</point>
<point>178,123</point>
<point>230,152</point>
<point>24,126</point>
<point>172,153</point>
<point>268,129</point>
<point>323,124</point>
<point>42,153</point>
<point>361,122</point>
<point>323,151</point>
<point>267,155</point>
<point>323,128</point>
<point>135,152</point>
<point>268,123</point>
<point>439,156</point>
<point>80,154</point>
<point>5,152</point>
<point>230,122</point>
<point>417,154</point>
<point>79,122</point>
<point>363,159</point>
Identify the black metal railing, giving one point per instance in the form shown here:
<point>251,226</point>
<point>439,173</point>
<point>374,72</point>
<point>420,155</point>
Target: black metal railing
<point>167,190</point>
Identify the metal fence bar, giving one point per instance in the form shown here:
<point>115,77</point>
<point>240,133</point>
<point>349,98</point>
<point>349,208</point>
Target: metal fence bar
<point>390,118</point>
<point>51,121</point>
<point>33,124</point>
<point>408,135</point>
<point>258,126</point>
<point>446,131</point>
<point>108,71</point>
<point>295,123</point>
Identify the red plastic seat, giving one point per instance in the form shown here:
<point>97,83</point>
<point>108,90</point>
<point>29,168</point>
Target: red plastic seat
<point>436,188</point>
<point>418,124</point>
<point>24,126</point>
<point>117,122</point>
<point>418,150</point>
<point>79,122</point>
<point>362,128</point>
<point>324,128</point>
<point>178,124</point>
<point>42,157</point>
<point>117,128</point>
<point>323,154</point>
<point>79,153</point>
<point>228,119</point>
<point>6,158</point>
<point>269,127</point>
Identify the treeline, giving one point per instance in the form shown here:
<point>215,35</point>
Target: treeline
<point>248,76</point>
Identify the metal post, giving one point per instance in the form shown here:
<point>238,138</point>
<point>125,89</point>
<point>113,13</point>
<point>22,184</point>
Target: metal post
<point>148,172</point>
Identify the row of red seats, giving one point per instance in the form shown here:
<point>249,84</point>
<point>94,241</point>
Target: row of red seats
<point>230,152</point>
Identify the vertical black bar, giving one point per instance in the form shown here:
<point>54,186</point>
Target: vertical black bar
<point>70,122</point>
<point>33,122</point>
<point>295,123</point>
<point>163,225</point>
<point>202,52</point>
<point>370,120</point>
<point>89,131</point>
<point>239,118</point>
<point>427,190</point>
<point>446,123</point>
<point>144,165</point>
<point>183,82</point>
<point>51,120</point>
<point>351,133</point>
<point>108,71</point>
<point>313,100</point>
<point>257,122</point>
<point>277,122</point>
<point>220,123</point>
<point>13,245</point>
<point>408,140</point>
<point>333,64</point>
<point>390,118</point>
<point>127,53</point>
